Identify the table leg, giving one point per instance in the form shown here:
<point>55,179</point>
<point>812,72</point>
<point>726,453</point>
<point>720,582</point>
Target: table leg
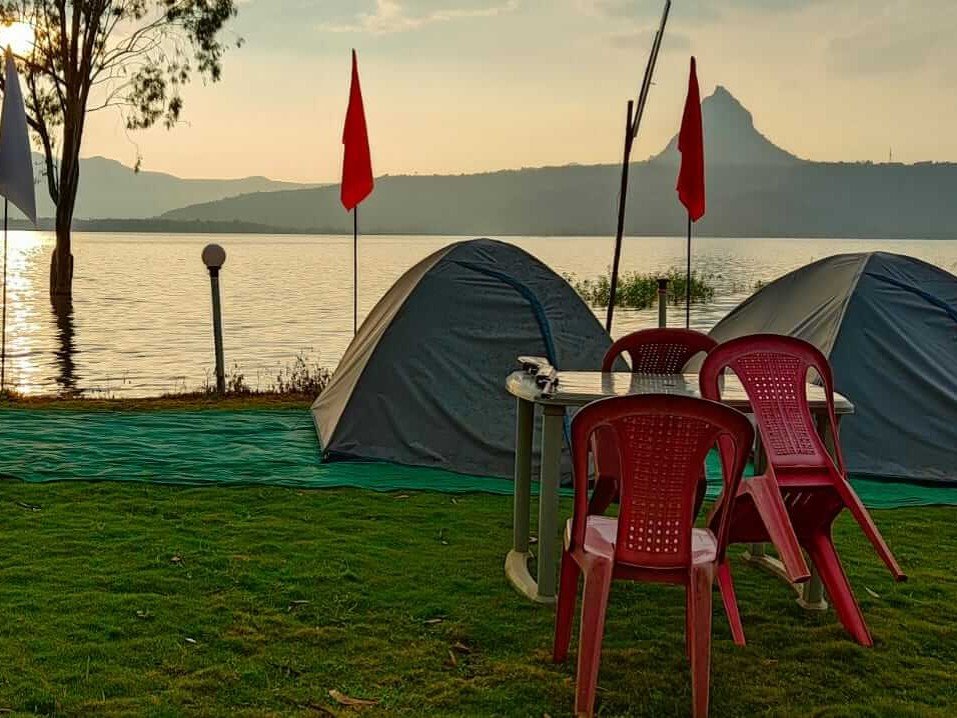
<point>524,428</point>
<point>516,563</point>
<point>553,426</point>
<point>812,595</point>
<point>811,592</point>
<point>756,551</point>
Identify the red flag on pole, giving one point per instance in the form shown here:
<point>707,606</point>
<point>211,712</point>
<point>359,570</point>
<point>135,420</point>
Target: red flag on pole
<point>691,146</point>
<point>357,181</point>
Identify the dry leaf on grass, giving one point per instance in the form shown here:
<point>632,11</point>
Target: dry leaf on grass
<point>344,700</point>
<point>873,594</point>
<point>459,647</point>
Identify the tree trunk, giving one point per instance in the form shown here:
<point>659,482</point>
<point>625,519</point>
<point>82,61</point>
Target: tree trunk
<point>61,264</point>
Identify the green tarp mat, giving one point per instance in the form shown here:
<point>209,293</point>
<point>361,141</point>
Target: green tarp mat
<point>276,447</point>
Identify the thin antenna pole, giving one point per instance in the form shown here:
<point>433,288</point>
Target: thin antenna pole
<point>3,342</point>
<point>631,133</point>
<point>622,197</point>
<point>650,69</point>
<point>355,270</point>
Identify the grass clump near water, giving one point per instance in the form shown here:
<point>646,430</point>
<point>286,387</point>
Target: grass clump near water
<point>122,599</point>
<point>640,291</point>
<point>305,377</point>
<point>294,385</point>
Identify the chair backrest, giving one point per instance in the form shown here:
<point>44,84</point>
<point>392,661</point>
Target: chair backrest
<point>661,443</point>
<point>773,369</point>
<point>658,351</point>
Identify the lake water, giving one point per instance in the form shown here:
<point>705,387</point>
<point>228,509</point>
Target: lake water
<point>140,320</point>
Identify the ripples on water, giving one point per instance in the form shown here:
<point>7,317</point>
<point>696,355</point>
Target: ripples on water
<point>140,319</point>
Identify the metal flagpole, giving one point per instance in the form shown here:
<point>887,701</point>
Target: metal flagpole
<point>688,281</point>
<point>3,342</point>
<point>355,270</point>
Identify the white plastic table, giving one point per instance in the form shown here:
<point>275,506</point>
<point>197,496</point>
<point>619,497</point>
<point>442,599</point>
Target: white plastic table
<point>540,385</point>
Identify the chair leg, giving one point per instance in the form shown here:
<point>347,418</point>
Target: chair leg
<point>604,493</point>
<point>700,587</point>
<point>829,568</point>
<point>774,514</point>
<point>565,610</point>
<point>853,503</point>
<point>730,601</point>
<point>594,604</point>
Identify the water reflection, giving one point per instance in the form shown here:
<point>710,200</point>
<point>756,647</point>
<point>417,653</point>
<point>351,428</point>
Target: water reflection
<point>140,320</point>
<point>65,349</point>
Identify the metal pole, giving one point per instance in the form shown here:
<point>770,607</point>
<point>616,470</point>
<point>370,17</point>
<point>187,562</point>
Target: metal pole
<point>622,198</point>
<point>631,133</point>
<point>218,331</point>
<point>650,69</point>
<point>3,349</point>
<point>355,270</point>
<point>214,257</point>
<point>688,281</point>
<point>663,302</point>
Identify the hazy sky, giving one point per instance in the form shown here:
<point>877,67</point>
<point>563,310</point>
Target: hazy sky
<point>456,86</point>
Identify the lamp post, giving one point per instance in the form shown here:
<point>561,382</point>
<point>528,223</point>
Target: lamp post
<point>214,257</point>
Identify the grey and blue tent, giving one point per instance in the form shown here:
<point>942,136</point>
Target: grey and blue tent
<point>423,382</point>
<point>888,324</point>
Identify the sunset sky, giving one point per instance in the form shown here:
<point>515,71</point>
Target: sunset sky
<point>456,86</point>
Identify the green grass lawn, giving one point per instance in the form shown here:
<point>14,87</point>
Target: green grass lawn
<point>121,599</point>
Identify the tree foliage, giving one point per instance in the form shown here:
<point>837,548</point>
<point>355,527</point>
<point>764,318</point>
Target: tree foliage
<point>134,56</point>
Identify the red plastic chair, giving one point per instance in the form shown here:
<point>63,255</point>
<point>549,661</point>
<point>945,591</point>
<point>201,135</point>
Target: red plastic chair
<point>652,351</point>
<point>661,442</point>
<point>658,351</point>
<point>795,502</point>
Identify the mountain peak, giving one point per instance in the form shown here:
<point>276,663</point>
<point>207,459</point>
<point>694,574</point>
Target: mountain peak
<point>730,137</point>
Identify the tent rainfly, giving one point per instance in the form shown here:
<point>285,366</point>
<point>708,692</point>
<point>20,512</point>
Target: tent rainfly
<point>888,324</point>
<point>423,382</point>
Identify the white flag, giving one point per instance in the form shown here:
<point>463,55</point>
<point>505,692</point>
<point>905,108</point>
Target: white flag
<point>16,162</point>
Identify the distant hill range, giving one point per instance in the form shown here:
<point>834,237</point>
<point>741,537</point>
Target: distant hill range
<point>111,189</point>
<point>755,188</point>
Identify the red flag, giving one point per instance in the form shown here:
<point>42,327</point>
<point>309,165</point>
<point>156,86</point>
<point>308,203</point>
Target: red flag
<point>357,181</point>
<point>691,146</point>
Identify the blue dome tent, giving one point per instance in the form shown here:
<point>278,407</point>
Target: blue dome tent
<point>888,324</point>
<point>423,382</point>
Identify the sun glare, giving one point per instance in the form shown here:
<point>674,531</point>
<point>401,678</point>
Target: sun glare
<point>18,36</point>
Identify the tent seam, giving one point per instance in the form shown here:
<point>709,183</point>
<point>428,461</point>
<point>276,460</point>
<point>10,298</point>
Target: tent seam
<point>852,288</point>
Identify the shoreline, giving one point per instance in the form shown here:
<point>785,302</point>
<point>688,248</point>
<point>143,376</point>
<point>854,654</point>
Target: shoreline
<point>161,403</point>
<point>226,227</point>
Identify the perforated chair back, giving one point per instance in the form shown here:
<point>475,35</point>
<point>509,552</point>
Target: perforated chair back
<point>658,351</point>
<point>774,371</point>
<point>661,443</point>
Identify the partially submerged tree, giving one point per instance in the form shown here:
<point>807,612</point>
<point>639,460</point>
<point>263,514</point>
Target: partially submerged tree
<point>88,55</point>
